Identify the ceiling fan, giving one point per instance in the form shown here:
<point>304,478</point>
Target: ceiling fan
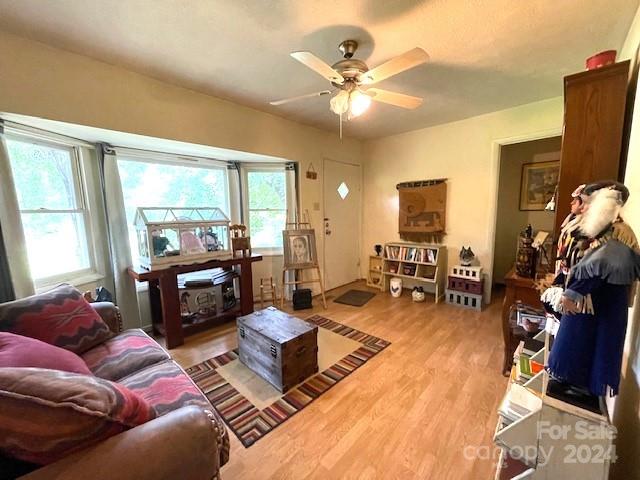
<point>351,78</point>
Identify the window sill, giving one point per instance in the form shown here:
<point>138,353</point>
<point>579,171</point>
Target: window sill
<point>78,282</point>
<point>268,252</point>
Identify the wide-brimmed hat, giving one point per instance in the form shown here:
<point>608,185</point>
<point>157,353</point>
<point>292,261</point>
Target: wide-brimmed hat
<point>591,188</point>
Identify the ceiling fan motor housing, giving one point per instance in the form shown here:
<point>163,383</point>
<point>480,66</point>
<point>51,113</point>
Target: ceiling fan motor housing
<point>350,69</point>
<point>348,48</point>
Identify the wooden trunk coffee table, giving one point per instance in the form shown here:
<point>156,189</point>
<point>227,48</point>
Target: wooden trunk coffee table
<point>280,348</point>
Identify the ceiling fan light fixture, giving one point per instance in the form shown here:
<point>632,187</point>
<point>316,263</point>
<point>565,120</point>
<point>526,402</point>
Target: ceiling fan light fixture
<point>359,103</point>
<point>339,104</point>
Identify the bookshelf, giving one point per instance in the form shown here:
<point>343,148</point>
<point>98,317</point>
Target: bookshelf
<point>541,436</point>
<point>374,274</point>
<point>417,264</point>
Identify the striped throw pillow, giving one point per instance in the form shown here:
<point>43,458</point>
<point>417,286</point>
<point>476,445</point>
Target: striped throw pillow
<point>47,414</point>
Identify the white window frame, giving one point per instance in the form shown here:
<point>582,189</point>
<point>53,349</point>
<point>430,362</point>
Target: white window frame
<point>159,158</point>
<point>246,169</point>
<point>128,155</point>
<point>91,273</point>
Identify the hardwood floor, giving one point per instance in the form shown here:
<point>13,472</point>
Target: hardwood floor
<point>412,412</point>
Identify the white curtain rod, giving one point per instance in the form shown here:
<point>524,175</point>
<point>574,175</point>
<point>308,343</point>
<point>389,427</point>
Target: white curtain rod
<point>21,129</point>
<point>166,156</point>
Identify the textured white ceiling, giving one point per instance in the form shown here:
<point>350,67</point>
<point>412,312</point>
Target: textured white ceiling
<point>486,55</point>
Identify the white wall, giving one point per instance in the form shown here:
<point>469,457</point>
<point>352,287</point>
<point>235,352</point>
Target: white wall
<point>626,413</point>
<point>43,81</point>
<point>464,152</point>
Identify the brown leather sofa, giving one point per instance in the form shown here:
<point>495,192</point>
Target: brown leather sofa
<point>187,440</point>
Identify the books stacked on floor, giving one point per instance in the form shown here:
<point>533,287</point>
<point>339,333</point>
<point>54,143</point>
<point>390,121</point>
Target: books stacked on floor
<point>518,402</point>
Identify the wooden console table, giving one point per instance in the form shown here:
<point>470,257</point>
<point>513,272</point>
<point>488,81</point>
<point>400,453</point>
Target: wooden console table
<point>163,291</point>
<point>517,289</point>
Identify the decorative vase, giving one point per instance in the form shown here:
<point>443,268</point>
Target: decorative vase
<point>395,287</point>
<point>418,294</point>
<point>526,254</point>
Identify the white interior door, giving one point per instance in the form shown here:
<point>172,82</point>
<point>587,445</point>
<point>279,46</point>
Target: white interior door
<point>341,226</point>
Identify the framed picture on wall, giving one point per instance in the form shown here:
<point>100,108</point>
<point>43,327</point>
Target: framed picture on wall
<point>538,183</point>
<point>299,248</point>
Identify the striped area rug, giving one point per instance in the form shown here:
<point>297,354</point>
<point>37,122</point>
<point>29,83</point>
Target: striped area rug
<point>250,423</point>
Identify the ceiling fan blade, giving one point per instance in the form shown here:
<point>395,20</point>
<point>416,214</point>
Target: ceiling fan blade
<point>403,62</point>
<point>394,98</point>
<point>318,66</point>
<point>300,97</point>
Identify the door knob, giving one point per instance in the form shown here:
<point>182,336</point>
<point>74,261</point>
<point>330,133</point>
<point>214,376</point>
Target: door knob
<point>327,232</point>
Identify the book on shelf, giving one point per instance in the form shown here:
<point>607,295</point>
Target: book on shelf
<point>392,252</point>
<point>517,403</point>
<point>528,314</point>
<point>511,467</point>
<point>525,368</point>
<point>411,254</point>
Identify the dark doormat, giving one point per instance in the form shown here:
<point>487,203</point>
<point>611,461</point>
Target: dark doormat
<point>357,298</point>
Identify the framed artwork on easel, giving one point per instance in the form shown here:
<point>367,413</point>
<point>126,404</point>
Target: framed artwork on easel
<point>300,254</point>
<point>299,248</point>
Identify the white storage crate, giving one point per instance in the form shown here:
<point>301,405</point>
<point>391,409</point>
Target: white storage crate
<point>468,273</point>
<point>468,300</point>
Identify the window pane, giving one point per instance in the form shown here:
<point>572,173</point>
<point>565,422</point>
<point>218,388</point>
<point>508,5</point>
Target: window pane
<point>266,228</point>
<point>55,243</point>
<point>43,176</point>
<point>147,184</point>
<point>267,190</point>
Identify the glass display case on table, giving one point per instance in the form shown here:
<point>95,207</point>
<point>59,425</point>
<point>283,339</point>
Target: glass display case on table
<point>168,236</point>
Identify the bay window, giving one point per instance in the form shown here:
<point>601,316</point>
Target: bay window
<point>153,182</point>
<point>266,206</point>
<point>49,184</point>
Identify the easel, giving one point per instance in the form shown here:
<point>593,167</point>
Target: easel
<point>301,224</point>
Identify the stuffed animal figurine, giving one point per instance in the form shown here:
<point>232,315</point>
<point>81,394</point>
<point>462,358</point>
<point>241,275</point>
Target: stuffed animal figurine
<point>466,256</point>
<point>417,295</point>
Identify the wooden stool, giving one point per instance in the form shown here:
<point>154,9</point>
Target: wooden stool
<point>268,287</point>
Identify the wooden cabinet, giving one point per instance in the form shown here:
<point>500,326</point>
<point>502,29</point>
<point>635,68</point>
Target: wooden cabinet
<point>594,108</point>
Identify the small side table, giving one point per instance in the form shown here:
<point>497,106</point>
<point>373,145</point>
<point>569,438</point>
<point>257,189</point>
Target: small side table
<point>520,289</point>
<point>165,304</point>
